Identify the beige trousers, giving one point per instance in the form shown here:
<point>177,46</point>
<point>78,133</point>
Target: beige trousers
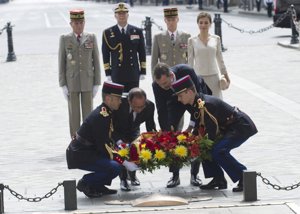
<point>77,101</point>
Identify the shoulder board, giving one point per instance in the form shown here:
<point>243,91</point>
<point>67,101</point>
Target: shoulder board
<point>104,112</point>
<point>201,103</point>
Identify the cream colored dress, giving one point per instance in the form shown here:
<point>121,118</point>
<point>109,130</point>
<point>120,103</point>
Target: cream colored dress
<point>207,61</point>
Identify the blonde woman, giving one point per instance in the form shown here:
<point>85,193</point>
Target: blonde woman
<point>205,55</point>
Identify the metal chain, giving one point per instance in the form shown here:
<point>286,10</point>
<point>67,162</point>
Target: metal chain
<point>282,17</point>
<point>2,30</point>
<point>36,199</point>
<point>277,187</point>
<point>294,18</point>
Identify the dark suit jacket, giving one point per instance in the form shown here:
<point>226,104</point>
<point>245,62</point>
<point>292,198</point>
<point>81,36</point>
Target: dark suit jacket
<point>125,128</point>
<point>124,57</point>
<point>168,108</point>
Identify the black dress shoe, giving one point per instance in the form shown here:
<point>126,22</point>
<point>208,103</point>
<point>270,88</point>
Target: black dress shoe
<point>124,186</point>
<point>87,190</point>
<point>219,183</point>
<point>106,191</point>
<point>195,180</point>
<point>239,187</point>
<point>134,180</point>
<point>173,182</point>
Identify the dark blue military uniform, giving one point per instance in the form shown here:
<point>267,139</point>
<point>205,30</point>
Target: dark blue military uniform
<point>124,56</point>
<point>235,128</point>
<point>87,150</point>
<point>168,108</point>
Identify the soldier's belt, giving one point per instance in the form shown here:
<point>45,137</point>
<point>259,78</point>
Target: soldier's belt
<point>82,140</point>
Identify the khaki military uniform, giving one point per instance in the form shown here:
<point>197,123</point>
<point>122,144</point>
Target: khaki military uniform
<point>163,50</point>
<point>79,70</point>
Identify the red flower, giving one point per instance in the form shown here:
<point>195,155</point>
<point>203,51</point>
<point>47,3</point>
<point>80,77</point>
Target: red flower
<point>195,150</point>
<point>134,156</point>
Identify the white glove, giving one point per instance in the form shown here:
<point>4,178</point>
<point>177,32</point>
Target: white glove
<point>142,76</point>
<point>95,90</point>
<point>108,78</point>
<point>130,166</point>
<point>65,92</point>
<point>119,142</point>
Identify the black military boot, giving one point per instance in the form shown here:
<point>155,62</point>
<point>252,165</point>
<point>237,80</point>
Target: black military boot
<point>215,183</point>
<point>87,190</point>
<point>239,187</point>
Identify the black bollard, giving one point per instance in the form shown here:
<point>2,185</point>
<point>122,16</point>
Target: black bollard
<point>250,187</point>
<point>295,34</point>
<point>70,195</point>
<point>218,29</point>
<point>1,199</point>
<point>11,54</point>
<point>148,36</point>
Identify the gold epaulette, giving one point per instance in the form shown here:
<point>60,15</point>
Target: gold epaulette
<point>143,65</point>
<point>106,66</point>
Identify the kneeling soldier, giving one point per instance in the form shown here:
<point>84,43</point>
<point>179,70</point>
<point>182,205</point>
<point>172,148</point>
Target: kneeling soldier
<point>223,123</point>
<point>89,150</point>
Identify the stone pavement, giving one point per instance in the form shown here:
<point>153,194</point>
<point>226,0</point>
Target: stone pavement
<point>34,136</point>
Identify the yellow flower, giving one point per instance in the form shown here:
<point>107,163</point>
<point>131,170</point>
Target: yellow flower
<point>124,152</point>
<point>181,137</point>
<point>146,155</point>
<point>181,151</point>
<point>160,154</point>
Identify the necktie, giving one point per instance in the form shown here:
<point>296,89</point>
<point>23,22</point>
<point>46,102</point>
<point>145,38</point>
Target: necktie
<point>131,117</point>
<point>172,38</point>
<point>78,38</point>
<point>123,31</point>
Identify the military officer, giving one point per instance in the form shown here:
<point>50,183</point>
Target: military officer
<point>170,46</point>
<point>170,110</point>
<point>89,149</point>
<point>222,122</point>
<point>123,51</point>
<point>79,69</point>
<point>134,110</point>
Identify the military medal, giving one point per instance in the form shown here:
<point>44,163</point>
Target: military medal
<point>184,55</point>
<point>88,44</point>
<point>69,56</point>
<point>112,35</point>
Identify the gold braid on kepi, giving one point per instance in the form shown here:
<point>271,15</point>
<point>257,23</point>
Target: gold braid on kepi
<point>119,45</point>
